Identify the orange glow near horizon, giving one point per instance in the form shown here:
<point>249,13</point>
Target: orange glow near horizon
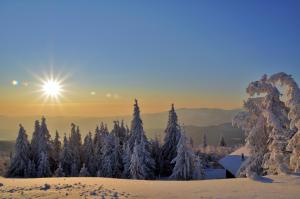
<point>104,108</point>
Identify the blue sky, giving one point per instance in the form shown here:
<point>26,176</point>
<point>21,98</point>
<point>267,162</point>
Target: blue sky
<point>167,48</point>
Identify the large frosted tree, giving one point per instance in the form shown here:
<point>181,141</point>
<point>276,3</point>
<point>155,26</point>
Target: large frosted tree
<point>184,160</point>
<point>20,160</point>
<point>169,150</point>
<point>292,102</point>
<point>267,128</point>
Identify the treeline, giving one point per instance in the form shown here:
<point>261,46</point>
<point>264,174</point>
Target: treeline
<point>120,153</point>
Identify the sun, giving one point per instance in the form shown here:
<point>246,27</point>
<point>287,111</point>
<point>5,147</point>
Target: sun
<point>52,88</point>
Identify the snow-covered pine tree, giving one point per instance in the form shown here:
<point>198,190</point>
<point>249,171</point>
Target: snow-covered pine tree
<point>136,131</point>
<point>136,164</point>
<point>35,142</point>
<point>126,158</point>
<point>88,154</point>
<point>56,149</point>
<point>198,173</point>
<point>59,172</point>
<point>183,169</point>
<point>66,158</point>
<point>123,133</point>
<point>45,148</point>
<point>84,171</point>
<point>98,145</point>
<point>119,131</point>
<point>74,169</point>
<point>156,155</point>
<point>20,160</point>
<point>142,165</point>
<point>44,166</point>
<point>31,170</point>
<point>172,135</point>
<point>75,147</point>
<point>222,142</point>
<point>108,159</point>
<point>117,158</point>
<point>147,160</point>
<point>44,138</point>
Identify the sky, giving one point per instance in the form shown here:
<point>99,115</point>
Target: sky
<point>191,53</point>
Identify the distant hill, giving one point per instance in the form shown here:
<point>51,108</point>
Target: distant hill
<point>153,122</point>
<point>232,135</point>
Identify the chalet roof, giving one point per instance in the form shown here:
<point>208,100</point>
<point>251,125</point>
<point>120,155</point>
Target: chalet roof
<point>233,161</point>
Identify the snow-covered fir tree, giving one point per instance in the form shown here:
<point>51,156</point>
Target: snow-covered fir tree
<point>31,170</point>
<point>59,172</point>
<point>222,142</point>
<point>172,135</point>
<point>148,161</point>
<point>20,160</point>
<point>198,173</point>
<point>126,158</point>
<point>136,164</point>
<point>184,160</point>
<point>136,130</point>
<point>66,158</point>
<point>45,149</point>
<point>44,166</point>
<point>74,169</point>
<point>108,159</point>
<point>84,171</point>
<point>119,131</point>
<point>156,155</point>
<point>142,165</point>
<point>98,144</point>
<point>35,142</point>
<point>139,140</point>
<point>117,158</point>
<point>75,147</point>
<point>88,154</point>
<point>56,148</point>
<point>44,139</point>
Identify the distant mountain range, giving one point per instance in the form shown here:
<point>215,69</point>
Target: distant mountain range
<point>197,121</point>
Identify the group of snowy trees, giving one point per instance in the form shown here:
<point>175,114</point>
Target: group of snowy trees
<point>271,121</point>
<point>121,153</point>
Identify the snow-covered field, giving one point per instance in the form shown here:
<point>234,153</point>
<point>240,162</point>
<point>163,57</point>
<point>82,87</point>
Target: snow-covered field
<point>271,187</point>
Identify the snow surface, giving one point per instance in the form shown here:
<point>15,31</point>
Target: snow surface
<point>284,186</point>
<point>233,161</point>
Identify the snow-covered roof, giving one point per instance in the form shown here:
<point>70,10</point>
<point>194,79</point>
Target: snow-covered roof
<point>233,161</point>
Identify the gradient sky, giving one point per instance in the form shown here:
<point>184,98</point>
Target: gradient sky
<point>193,53</point>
